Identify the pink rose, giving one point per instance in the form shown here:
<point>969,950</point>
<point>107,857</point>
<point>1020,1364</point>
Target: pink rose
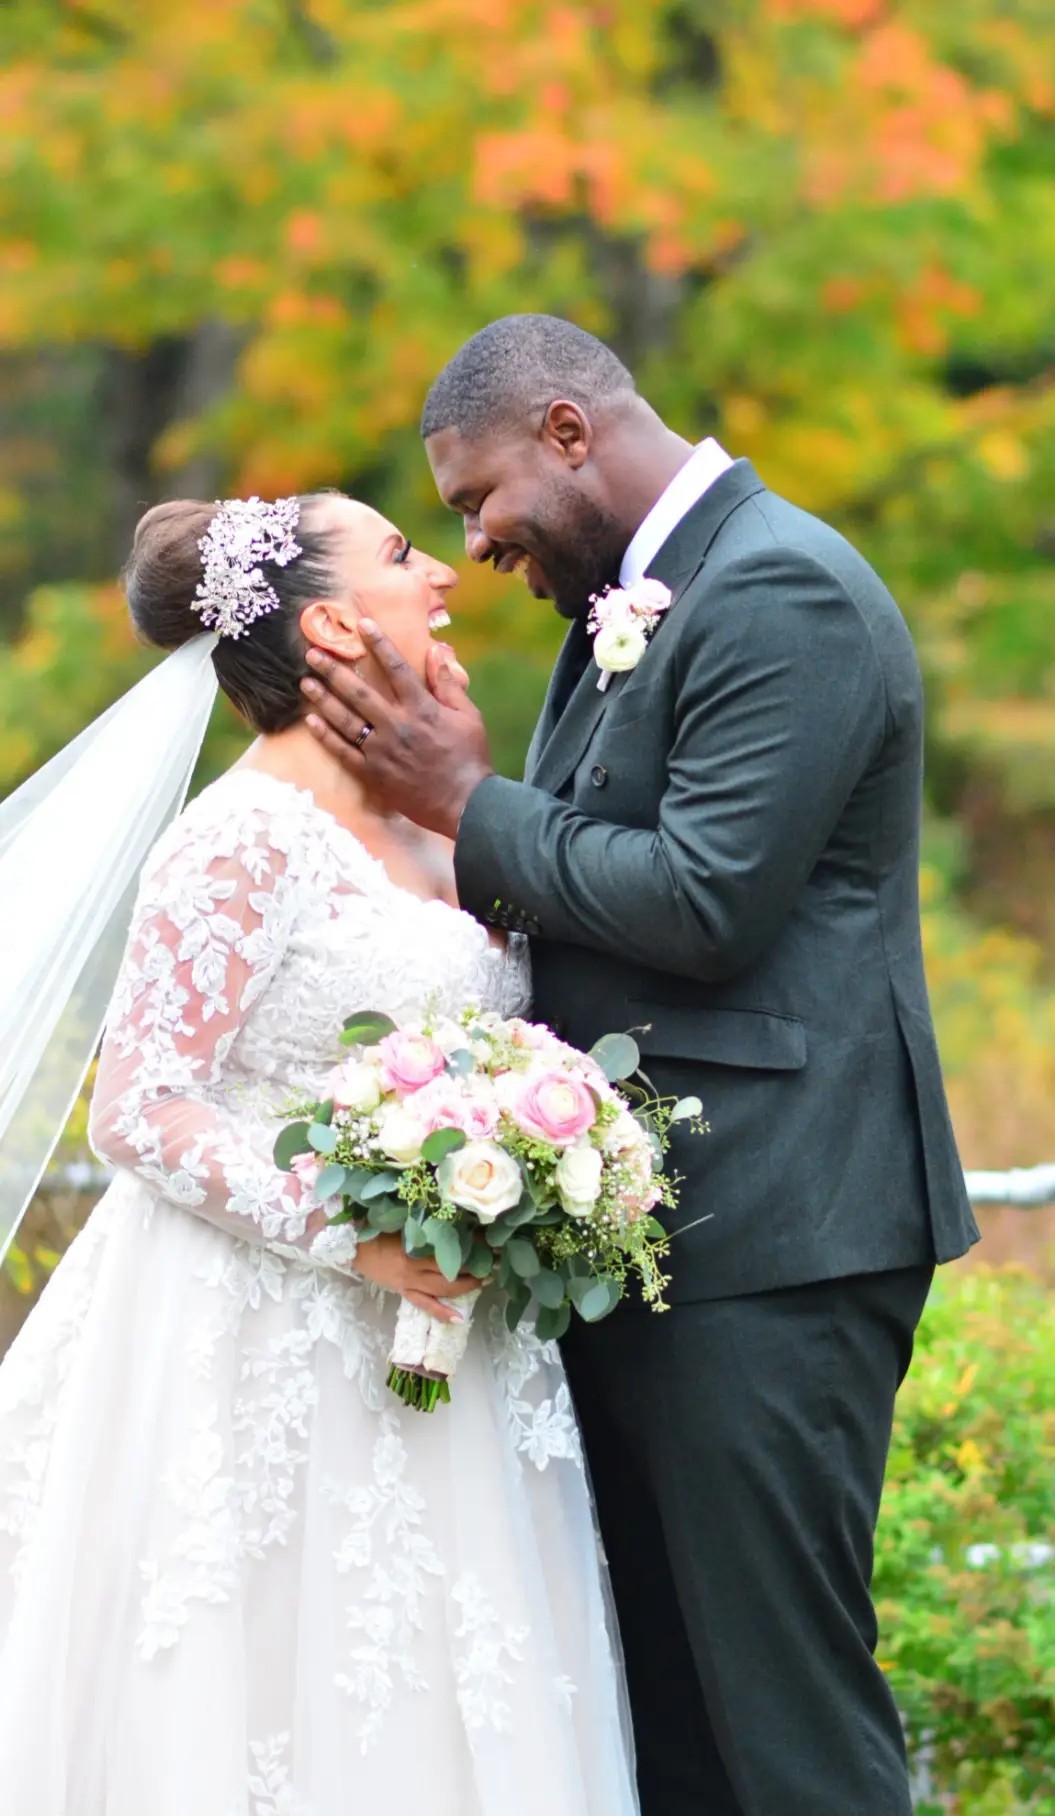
<point>554,1107</point>
<point>648,596</point>
<point>307,1168</point>
<point>479,1115</point>
<point>409,1061</point>
<point>443,1104</point>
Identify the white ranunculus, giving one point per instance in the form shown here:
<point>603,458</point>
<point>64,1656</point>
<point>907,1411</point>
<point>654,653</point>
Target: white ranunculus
<point>357,1087</point>
<point>401,1135</point>
<point>619,646</point>
<point>578,1179</point>
<point>482,1178</point>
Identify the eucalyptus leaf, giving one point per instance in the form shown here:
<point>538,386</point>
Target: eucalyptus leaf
<point>376,1186</point>
<point>322,1138</point>
<point>597,1303</point>
<point>330,1181</point>
<point>447,1248</point>
<point>387,1214</point>
<point>549,1289</point>
<point>522,1258</point>
<point>440,1143</point>
<point>367,1028</point>
<point>685,1108</point>
<point>414,1237</point>
<point>618,1055</point>
<point>481,1262</point>
<point>515,1310</point>
<point>292,1140</point>
<point>655,1230</point>
<point>552,1322</point>
<point>524,1212</point>
<point>460,1062</point>
<point>324,1113</point>
<point>356,1179</point>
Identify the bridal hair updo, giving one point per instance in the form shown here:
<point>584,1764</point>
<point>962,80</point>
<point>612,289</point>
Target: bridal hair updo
<point>261,671</point>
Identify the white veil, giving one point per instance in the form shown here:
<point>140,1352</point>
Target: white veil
<point>72,842</point>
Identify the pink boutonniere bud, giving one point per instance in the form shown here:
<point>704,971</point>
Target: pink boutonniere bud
<point>622,621</point>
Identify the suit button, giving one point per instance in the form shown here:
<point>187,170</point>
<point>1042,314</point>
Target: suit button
<point>598,775</point>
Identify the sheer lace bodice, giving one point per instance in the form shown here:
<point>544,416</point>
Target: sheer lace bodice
<point>261,924</point>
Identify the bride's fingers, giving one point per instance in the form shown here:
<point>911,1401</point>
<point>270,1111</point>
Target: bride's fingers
<point>448,680</point>
<point>435,1308</point>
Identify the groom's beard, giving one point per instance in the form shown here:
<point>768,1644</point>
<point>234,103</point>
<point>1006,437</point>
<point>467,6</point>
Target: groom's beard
<point>584,561</point>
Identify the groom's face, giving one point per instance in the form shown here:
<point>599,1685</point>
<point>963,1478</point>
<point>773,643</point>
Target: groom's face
<point>527,510</point>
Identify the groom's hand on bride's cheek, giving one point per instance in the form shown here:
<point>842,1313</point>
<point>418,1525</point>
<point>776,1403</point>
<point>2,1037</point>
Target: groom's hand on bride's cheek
<point>427,747</point>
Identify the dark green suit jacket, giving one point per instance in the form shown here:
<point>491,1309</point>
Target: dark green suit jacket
<point>721,853</point>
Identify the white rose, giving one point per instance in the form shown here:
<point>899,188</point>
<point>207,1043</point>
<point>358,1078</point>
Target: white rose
<point>449,1036</point>
<point>357,1087</point>
<point>624,1134</point>
<point>401,1135</point>
<point>619,646</point>
<point>578,1179</point>
<point>481,1177</point>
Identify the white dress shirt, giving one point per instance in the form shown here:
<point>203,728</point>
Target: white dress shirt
<point>705,464</point>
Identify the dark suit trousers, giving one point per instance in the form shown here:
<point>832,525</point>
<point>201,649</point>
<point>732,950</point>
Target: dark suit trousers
<point>737,1450</point>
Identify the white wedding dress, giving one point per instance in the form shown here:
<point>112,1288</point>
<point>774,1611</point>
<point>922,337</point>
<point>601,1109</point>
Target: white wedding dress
<point>237,1578</point>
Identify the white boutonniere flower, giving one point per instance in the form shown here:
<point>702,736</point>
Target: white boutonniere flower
<point>622,620</point>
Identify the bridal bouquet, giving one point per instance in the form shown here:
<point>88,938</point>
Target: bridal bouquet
<point>497,1149</point>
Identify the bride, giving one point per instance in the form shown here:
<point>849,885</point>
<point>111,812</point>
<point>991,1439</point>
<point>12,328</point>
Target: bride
<point>236,1576</point>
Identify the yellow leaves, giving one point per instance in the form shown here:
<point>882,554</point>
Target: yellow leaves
<point>967,1380</point>
<point>1003,454</point>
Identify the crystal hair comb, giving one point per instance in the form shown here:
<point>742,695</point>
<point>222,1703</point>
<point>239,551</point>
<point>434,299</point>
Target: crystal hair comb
<point>232,592</point>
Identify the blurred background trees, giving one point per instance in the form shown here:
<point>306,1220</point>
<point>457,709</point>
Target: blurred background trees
<point>238,237</point>
<point>237,240</point>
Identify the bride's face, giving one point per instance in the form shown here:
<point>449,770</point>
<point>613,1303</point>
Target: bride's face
<point>381,576</point>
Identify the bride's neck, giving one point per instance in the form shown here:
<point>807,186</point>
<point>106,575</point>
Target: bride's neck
<point>295,756</point>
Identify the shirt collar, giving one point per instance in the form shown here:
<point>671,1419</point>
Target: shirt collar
<point>705,464</point>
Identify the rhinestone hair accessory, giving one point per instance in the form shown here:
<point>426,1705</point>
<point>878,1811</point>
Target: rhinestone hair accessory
<point>232,593</point>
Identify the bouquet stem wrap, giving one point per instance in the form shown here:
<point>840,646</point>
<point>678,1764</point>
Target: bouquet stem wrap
<point>426,1351</point>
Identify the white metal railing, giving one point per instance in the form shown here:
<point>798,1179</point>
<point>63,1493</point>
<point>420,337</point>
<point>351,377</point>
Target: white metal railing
<point>1026,1187</point>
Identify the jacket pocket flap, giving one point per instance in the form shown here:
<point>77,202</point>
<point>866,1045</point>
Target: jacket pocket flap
<point>723,1037</point>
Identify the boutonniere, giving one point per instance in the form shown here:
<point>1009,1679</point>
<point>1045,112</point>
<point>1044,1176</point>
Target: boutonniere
<point>622,620</point>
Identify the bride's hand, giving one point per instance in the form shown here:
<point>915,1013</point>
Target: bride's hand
<point>444,673</point>
<point>385,1261</point>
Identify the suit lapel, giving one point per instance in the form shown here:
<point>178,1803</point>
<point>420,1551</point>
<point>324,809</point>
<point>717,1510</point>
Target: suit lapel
<point>572,732</point>
<point>561,737</point>
<point>569,656</point>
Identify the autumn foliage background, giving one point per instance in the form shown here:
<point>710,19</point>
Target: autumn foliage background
<point>238,238</point>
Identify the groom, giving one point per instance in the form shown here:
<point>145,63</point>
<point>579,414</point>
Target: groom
<point>720,852</point>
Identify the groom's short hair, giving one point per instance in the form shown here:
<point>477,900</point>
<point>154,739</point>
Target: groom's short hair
<point>516,367</point>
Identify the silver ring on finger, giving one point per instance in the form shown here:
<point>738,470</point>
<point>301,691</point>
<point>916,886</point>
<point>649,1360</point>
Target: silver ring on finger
<point>357,743</point>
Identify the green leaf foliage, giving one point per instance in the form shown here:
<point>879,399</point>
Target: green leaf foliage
<point>447,1248</point>
<point>552,1322</point>
<point>330,1181</point>
<point>440,1143</point>
<point>618,1056</point>
<point>293,1140</point>
<point>367,1028</point>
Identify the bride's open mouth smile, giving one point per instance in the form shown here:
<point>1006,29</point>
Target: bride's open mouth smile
<point>439,618</point>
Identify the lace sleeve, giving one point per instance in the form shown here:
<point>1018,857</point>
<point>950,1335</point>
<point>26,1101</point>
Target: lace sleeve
<point>212,921</point>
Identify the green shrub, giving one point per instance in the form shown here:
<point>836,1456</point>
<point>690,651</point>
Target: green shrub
<point>965,1558</point>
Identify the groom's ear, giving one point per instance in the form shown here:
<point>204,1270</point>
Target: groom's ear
<point>333,626</point>
<point>567,431</point>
